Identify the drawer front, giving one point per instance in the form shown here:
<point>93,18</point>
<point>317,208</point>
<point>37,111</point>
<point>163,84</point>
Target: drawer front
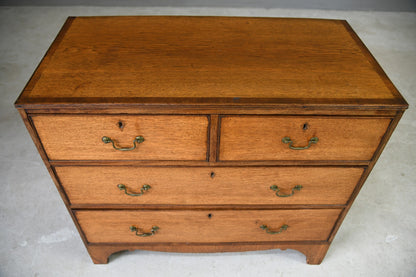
<point>261,138</point>
<point>81,137</point>
<point>207,226</point>
<point>205,186</point>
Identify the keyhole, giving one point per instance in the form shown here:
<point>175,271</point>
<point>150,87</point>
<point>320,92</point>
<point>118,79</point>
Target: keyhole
<point>305,126</point>
<point>209,215</point>
<point>120,125</point>
<point>212,174</point>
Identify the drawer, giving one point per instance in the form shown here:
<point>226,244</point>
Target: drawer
<point>67,137</point>
<point>261,138</point>
<point>208,186</point>
<point>207,226</point>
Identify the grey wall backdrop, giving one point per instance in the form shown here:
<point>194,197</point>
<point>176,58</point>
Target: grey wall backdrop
<point>358,5</point>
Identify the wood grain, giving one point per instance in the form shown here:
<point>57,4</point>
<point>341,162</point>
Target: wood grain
<point>208,60</point>
<point>292,109</point>
<point>29,125</point>
<point>260,138</point>
<point>212,164</point>
<point>314,251</point>
<point>213,138</point>
<point>195,186</point>
<point>379,150</point>
<point>206,226</point>
<point>166,137</point>
<point>213,97</point>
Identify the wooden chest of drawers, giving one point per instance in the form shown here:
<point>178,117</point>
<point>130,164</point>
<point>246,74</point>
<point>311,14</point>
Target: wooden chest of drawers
<point>209,134</point>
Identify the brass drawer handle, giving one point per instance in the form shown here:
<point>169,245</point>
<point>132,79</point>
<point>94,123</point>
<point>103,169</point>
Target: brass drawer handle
<point>288,140</point>
<point>283,228</point>
<point>140,233</point>
<point>142,190</point>
<point>138,139</point>
<point>276,189</point>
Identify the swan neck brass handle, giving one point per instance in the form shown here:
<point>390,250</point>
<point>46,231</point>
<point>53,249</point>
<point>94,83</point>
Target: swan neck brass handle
<point>143,189</point>
<point>267,229</point>
<point>137,140</point>
<point>140,233</point>
<point>286,140</point>
<point>277,190</point>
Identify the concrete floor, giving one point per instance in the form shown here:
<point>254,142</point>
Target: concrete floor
<point>38,238</point>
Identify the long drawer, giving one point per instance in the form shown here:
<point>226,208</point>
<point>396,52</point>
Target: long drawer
<point>300,138</point>
<point>205,185</point>
<point>95,137</point>
<point>207,226</point>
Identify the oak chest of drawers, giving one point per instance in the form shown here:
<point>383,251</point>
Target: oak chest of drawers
<point>209,134</point>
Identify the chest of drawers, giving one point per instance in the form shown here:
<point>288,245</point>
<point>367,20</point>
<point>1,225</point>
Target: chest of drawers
<point>208,134</point>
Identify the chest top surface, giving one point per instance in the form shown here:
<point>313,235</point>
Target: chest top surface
<point>209,60</point>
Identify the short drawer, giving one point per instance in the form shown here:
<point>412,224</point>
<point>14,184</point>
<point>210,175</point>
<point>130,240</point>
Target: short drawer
<point>208,186</point>
<point>207,226</point>
<point>300,138</point>
<point>68,137</point>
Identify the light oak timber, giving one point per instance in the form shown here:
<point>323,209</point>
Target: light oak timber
<point>314,251</point>
<point>299,60</point>
<point>260,138</point>
<point>198,109</point>
<point>367,172</point>
<point>213,138</point>
<point>29,125</point>
<point>33,134</point>
<point>375,64</point>
<point>206,226</point>
<point>203,207</point>
<point>209,94</point>
<point>208,186</point>
<point>212,164</point>
<point>165,137</point>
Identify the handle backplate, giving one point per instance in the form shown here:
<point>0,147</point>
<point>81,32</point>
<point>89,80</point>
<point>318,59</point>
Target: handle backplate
<point>137,140</point>
<point>267,229</point>
<point>277,190</point>
<point>140,233</point>
<point>289,141</point>
<point>143,189</point>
